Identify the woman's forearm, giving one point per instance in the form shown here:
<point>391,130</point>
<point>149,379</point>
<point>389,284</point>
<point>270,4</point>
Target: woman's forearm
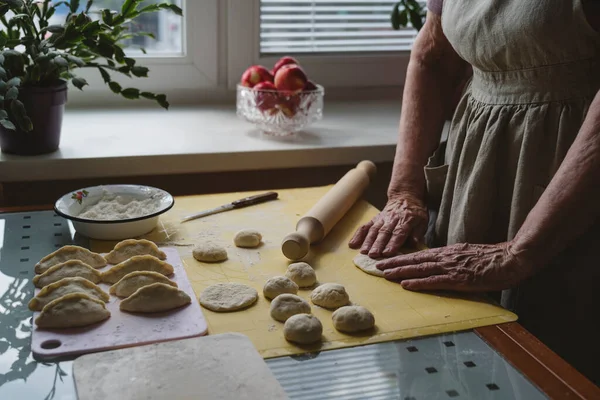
<point>434,74</point>
<point>571,202</point>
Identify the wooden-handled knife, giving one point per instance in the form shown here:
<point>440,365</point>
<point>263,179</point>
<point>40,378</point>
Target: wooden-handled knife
<point>246,201</point>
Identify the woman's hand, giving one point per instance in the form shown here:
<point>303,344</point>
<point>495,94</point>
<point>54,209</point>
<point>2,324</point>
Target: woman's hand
<point>404,216</point>
<point>460,267</point>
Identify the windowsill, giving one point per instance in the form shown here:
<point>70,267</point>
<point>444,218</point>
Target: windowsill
<point>134,142</point>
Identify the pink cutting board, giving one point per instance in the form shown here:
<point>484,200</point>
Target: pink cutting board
<point>124,329</point>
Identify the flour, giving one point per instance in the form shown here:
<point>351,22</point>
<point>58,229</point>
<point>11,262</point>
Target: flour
<point>115,207</point>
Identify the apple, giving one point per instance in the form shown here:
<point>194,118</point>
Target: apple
<point>284,61</point>
<point>288,104</point>
<point>310,86</point>
<point>255,75</point>
<point>290,79</point>
<point>267,100</point>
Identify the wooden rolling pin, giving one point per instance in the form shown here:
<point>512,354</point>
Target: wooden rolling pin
<point>320,219</point>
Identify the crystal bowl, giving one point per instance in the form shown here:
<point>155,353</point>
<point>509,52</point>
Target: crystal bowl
<point>279,113</point>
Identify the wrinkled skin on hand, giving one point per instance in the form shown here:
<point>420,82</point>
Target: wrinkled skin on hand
<point>404,217</point>
<point>460,267</point>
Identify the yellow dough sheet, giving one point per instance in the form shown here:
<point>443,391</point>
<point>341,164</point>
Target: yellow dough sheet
<point>399,314</point>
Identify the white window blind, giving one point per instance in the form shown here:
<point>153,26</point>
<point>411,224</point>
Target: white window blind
<point>330,26</point>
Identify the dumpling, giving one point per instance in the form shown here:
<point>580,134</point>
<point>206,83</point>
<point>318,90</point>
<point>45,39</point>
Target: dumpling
<point>66,286</point>
<point>67,253</point>
<point>67,269</point>
<point>155,298</point>
<point>132,247</point>
<point>135,280</point>
<point>136,263</point>
<point>71,311</point>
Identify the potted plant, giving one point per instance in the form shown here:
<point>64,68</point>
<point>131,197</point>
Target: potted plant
<point>38,59</point>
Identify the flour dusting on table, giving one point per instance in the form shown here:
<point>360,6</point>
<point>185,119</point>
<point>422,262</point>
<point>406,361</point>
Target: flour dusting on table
<point>115,207</point>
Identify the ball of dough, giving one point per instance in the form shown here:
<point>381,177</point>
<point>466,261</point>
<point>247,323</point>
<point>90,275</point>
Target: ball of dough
<point>330,295</point>
<point>209,252</point>
<point>223,297</point>
<point>367,264</point>
<point>247,238</point>
<point>278,285</point>
<point>302,274</point>
<point>352,319</point>
<point>285,305</point>
<point>303,329</point>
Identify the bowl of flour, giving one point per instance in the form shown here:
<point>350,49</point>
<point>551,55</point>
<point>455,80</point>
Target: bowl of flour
<point>114,212</point>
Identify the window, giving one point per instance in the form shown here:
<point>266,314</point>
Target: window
<point>340,43</point>
<point>330,26</point>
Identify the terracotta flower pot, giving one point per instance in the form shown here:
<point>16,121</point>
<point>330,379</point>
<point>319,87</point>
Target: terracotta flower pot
<point>45,106</point>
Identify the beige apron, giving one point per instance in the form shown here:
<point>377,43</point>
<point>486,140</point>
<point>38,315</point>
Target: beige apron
<point>536,69</point>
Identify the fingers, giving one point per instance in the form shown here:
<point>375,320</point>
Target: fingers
<point>359,236</point>
<point>383,236</point>
<point>371,236</point>
<point>438,282</point>
<point>398,238</point>
<point>408,259</point>
<point>424,270</point>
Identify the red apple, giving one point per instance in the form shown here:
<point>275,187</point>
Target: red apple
<point>268,99</point>
<point>284,61</point>
<point>255,75</point>
<point>288,104</point>
<point>290,79</point>
<point>310,86</point>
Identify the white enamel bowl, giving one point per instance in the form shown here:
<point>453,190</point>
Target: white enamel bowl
<point>71,205</point>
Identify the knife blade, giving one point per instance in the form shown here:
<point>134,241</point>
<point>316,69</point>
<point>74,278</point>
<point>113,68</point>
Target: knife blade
<point>245,202</point>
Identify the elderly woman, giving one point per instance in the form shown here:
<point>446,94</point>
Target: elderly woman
<point>516,189</point>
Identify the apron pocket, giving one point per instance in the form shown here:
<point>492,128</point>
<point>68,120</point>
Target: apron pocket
<point>435,177</point>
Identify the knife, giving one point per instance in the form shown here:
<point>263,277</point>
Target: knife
<point>246,201</point>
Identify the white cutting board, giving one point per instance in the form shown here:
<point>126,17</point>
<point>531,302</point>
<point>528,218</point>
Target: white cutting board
<point>219,367</point>
<point>125,329</point>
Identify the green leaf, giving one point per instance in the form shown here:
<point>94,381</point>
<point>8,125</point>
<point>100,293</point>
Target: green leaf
<point>12,93</point>
<point>2,73</point>
<point>140,72</point>
<point>54,29</point>
<point>124,70</point>
<point>395,17</point>
<point>148,95</point>
<point>20,114</point>
<point>16,81</point>
<point>76,60</point>
<point>107,16</point>
<point>115,87</point>
<point>61,62</point>
<point>130,62</point>
<point>128,7</point>
<point>4,8</point>
<point>74,5</point>
<point>119,54</point>
<point>3,87</point>
<point>131,93</point>
<point>89,5</point>
<point>403,18</point>
<point>105,75</point>
<point>14,3</point>
<point>3,114</point>
<point>79,83</point>
<point>6,124</point>
<point>161,99</point>
<point>415,19</point>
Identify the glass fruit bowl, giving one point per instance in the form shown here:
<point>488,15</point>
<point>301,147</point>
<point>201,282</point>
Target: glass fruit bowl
<point>279,113</point>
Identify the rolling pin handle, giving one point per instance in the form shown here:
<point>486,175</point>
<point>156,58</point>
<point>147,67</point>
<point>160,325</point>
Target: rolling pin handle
<point>369,168</point>
<point>295,246</point>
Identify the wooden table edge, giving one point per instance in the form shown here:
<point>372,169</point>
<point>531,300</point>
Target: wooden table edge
<point>544,368</point>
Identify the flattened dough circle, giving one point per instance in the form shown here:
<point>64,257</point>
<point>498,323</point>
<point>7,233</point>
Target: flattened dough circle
<point>223,297</point>
<point>367,265</point>
<point>209,252</point>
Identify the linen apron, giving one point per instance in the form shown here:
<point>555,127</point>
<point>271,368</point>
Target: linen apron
<point>536,69</point>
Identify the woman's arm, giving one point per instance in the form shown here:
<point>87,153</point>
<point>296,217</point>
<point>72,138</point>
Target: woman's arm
<point>565,211</point>
<point>571,202</point>
<point>435,73</point>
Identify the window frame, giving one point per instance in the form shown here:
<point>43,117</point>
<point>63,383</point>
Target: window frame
<point>181,77</point>
<point>330,70</point>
